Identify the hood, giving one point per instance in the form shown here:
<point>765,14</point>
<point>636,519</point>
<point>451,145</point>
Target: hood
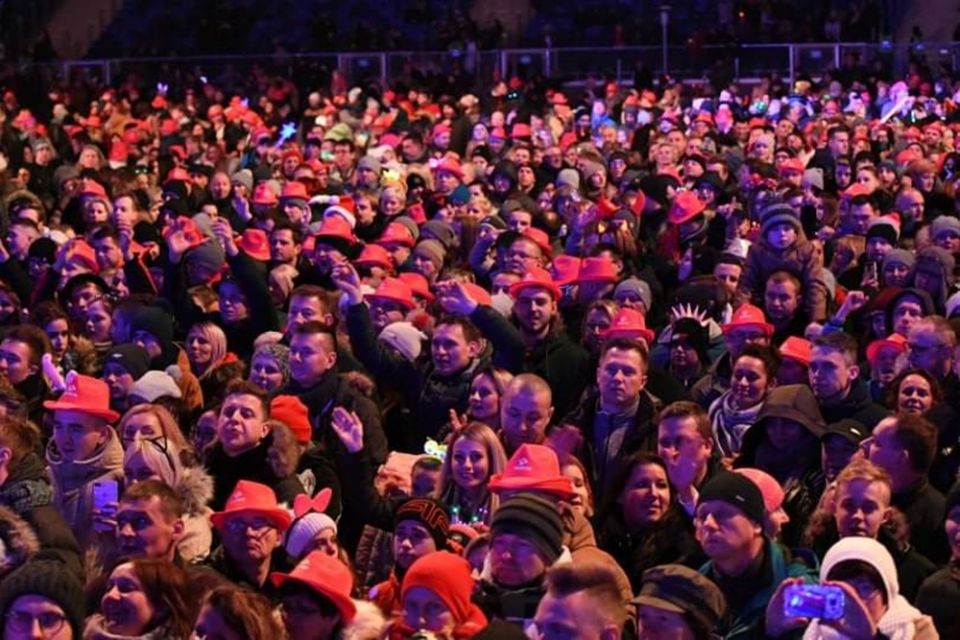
<point>865,550</point>
<point>108,457</point>
<point>195,488</point>
<point>486,574</point>
<point>18,538</point>
<point>793,402</point>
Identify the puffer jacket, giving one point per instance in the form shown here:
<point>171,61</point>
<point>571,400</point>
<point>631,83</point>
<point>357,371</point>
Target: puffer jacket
<point>73,483</point>
<point>801,259</point>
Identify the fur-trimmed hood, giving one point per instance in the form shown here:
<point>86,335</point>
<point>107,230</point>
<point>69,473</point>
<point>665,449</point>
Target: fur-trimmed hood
<point>367,624</point>
<point>18,539</point>
<point>195,489</point>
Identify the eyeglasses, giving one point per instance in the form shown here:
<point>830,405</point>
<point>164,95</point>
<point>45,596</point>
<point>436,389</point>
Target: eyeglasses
<point>51,622</point>
<point>236,526</point>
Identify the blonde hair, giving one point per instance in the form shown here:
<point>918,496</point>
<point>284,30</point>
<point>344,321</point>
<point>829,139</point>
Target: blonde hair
<point>861,469</point>
<point>218,344</point>
<point>168,424</point>
<point>496,463</point>
<point>160,455</point>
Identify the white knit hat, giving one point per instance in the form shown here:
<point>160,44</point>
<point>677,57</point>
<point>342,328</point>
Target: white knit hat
<point>305,529</point>
<point>865,550</point>
<point>153,385</point>
<point>405,338</point>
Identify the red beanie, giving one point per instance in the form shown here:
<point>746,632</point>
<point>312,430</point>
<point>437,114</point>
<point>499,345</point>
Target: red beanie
<point>448,576</point>
<point>291,411</point>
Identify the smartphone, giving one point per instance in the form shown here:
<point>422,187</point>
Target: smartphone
<point>106,494</point>
<point>813,601</point>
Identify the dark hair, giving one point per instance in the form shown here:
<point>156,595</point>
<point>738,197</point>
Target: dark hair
<point>625,344</point>
<point>470,331</point>
<point>315,327</point>
<point>838,341</point>
<point>34,337</point>
<point>247,388</point>
<point>919,438</point>
<point>893,389</point>
<point>846,570</point>
<point>46,312</point>
<point>687,409</point>
<point>286,225</point>
<point>247,613</point>
<point>767,355</point>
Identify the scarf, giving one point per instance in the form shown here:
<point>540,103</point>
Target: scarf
<point>730,423</point>
<point>95,629</point>
<point>898,623</point>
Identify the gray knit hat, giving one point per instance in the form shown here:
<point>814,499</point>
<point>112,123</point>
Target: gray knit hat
<point>280,354</point>
<point>636,286</point>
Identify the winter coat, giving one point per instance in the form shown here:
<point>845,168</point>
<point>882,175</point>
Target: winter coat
<point>514,605</point>
<point>429,394</point>
<point>713,385</point>
<point>367,624</point>
<point>797,470</point>
<point>28,492</point>
<point>556,359</point>
<point>19,540</point>
<point>73,483</point>
<point>729,423</point>
<point>579,538</point>
<point>95,629</point>
<point>938,598</point>
<point>641,434</point>
<point>924,507</point>
<point>250,465</point>
<point>801,259</point>
<point>748,595</point>
<point>331,391</point>
<point>669,541</point>
<point>195,488</point>
<point>856,406</point>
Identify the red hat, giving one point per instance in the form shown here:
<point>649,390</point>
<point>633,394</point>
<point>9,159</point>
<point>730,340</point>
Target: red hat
<point>291,411</point>
<point>565,269</point>
<point>770,489</point>
<point>158,102</point>
<point>373,255</point>
<point>686,206</point>
<point>907,156</point>
<point>533,467</point>
<point>292,152</point>
<point>536,277</point>
<point>336,227</point>
<point>394,290</point>
<point>177,174</point>
<point>418,285</point>
<point>856,190</point>
<point>479,294</point>
<point>346,208</point>
<point>599,269</point>
<point>263,195</point>
<point>93,189</point>
<point>85,395</point>
<point>747,315</point>
<point>326,575</point>
<point>254,498</point>
<point>449,577</point>
<point>396,232</point>
<point>792,164</point>
<point>449,165</point>
<point>521,130</point>
<point>629,323</point>
<point>294,190</point>
<point>83,252</point>
<point>256,244</point>
<point>796,348</point>
<point>893,341</point>
<point>541,238</point>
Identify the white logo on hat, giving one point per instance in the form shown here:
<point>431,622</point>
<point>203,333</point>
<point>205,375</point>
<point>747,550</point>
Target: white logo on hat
<point>740,498</point>
<point>522,464</point>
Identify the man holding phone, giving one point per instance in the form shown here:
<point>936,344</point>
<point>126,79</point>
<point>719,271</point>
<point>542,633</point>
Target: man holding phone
<point>85,456</point>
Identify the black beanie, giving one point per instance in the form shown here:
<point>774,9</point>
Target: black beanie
<point>695,334</point>
<point>431,513</point>
<point>50,579</point>
<point>154,321</point>
<point>534,518</point>
<point>132,357</point>
<point>736,490</point>
<point>886,231</point>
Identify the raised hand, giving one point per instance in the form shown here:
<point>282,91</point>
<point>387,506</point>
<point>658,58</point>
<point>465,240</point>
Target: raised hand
<point>454,298</point>
<point>223,232</point>
<point>348,428</point>
<point>854,301</point>
<point>777,624</point>
<point>564,439</point>
<point>347,279</point>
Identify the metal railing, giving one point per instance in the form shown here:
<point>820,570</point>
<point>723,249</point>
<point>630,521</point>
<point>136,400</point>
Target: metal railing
<point>745,63</point>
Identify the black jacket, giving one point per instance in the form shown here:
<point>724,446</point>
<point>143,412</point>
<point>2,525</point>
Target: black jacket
<point>924,507</point>
<point>251,465</point>
<point>429,395</point>
<point>642,434</point>
<point>332,391</point>
<point>562,363</point>
<point>856,406</point>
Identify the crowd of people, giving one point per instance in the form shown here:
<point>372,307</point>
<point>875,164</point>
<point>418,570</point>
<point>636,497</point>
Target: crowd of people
<point>560,365</point>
